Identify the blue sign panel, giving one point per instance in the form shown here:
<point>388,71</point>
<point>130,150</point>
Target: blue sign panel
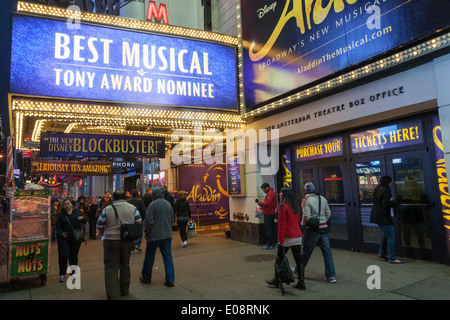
<point>291,43</point>
<point>97,63</point>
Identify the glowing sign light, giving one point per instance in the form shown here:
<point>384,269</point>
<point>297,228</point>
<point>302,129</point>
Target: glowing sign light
<point>159,14</point>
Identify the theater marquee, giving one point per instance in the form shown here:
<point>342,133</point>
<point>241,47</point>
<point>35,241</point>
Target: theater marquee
<point>109,64</point>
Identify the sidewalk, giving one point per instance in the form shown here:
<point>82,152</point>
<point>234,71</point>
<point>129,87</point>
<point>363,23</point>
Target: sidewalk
<point>213,267</point>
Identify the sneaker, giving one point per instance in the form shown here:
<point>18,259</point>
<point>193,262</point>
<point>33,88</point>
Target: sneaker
<point>169,284</point>
<point>138,248</point>
<point>266,247</point>
<point>381,257</point>
<point>396,261</point>
<point>331,279</point>
<point>184,244</point>
<point>62,278</point>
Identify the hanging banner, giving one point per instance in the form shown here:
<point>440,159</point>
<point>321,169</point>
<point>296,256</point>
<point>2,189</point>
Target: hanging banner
<point>74,168</point>
<point>111,64</point>
<point>288,44</point>
<point>206,192</point>
<point>85,145</point>
<point>442,178</point>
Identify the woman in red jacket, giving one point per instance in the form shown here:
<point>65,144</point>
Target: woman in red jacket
<point>290,234</point>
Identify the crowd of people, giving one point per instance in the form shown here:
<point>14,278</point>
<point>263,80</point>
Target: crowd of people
<point>289,225</point>
<point>156,210</point>
<point>297,231</point>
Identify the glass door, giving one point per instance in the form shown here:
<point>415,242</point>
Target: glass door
<point>367,174</point>
<point>332,189</point>
<point>417,204</point>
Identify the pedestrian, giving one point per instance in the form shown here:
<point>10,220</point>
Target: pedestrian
<point>56,210</point>
<point>168,196</point>
<point>92,216</point>
<point>70,218</point>
<point>316,206</point>
<point>182,209</point>
<point>83,206</point>
<point>269,205</point>
<point>159,219</point>
<point>147,197</point>
<point>136,201</point>
<point>381,215</point>
<point>289,234</point>
<point>104,202</point>
<point>115,250</point>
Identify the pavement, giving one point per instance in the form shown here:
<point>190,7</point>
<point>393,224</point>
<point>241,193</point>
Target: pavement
<point>214,268</point>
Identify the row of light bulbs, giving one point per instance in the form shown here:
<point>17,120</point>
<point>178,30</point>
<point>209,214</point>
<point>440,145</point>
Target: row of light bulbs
<point>125,22</point>
<point>406,55</point>
<point>57,107</point>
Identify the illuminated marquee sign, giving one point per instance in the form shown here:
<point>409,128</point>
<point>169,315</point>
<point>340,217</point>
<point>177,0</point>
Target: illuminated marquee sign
<point>85,145</point>
<point>398,135</point>
<point>99,63</point>
<point>76,168</point>
<point>288,44</point>
<point>158,14</point>
<point>320,149</point>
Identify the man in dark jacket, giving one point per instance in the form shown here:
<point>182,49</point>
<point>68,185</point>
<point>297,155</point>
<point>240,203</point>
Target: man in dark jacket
<point>159,219</point>
<point>136,201</point>
<point>183,211</point>
<point>147,197</point>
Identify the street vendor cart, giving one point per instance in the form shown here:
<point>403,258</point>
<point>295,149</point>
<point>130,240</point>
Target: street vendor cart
<point>29,236</point>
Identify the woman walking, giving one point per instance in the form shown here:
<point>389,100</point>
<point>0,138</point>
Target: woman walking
<point>183,211</point>
<point>68,248</point>
<point>289,234</point>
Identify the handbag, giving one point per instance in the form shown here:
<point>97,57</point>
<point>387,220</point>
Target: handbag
<point>314,222</point>
<point>128,231</point>
<point>78,234</point>
<point>283,272</point>
<point>191,229</point>
<point>258,212</point>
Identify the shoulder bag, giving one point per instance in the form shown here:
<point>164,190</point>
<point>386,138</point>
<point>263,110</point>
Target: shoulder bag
<point>78,234</point>
<point>128,231</point>
<point>283,271</point>
<point>314,222</point>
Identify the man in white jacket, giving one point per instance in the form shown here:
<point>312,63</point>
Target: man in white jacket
<point>311,236</point>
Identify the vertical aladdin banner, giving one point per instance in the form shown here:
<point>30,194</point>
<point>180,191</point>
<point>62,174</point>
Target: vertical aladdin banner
<point>286,168</point>
<point>206,188</point>
<point>442,178</point>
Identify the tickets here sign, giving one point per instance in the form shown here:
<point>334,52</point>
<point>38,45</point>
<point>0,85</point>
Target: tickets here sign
<point>397,135</point>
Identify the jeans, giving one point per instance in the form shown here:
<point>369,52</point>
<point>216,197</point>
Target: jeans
<point>310,240</point>
<point>387,242</point>
<point>67,250</point>
<point>271,231</point>
<point>117,259</point>
<point>182,225</point>
<point>165,246</point>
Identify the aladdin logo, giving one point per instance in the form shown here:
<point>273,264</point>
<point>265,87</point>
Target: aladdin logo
<point>262,12</point>
<point>315,13</point>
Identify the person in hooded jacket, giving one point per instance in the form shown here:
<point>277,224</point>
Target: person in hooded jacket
<point>183,211</point>
<point>159,219</point>
<point>381,215</point>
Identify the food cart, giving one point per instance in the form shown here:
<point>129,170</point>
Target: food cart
<point>29,236</point>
